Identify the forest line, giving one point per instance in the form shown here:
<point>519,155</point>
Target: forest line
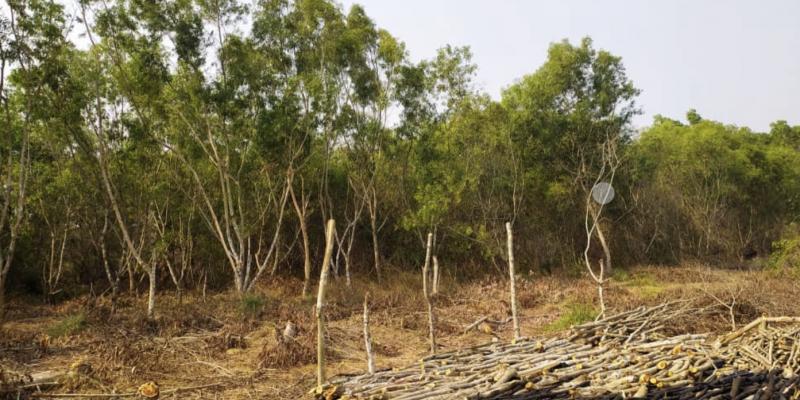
<point>205,143</point>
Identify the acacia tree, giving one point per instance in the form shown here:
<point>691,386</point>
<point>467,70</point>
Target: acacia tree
<point>32,73</point>
<point>124,76</point>
<point>596,200</point>
<point>562,114</point>
<point>709,190</point>
<point>438,137</point>
<point>375,73</point>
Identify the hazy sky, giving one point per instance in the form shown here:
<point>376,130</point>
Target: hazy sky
<point>734,61</point>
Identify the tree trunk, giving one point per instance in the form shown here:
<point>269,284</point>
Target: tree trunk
<point>205,283</point>
<point>300,210</point>
<point>435,275</point>
<point>375,252</point>
<point>348,282</point>
<point>131,283</point>
<point>18,216</point>
<point>151,298</point>
<point>603,243</point>
<point>513,281</point>
<point>2,298</point>
<point>323,280</point>
<point>114,295</point>
<point>113,279</point>
<point>306,258</point>
<point>600,296</point>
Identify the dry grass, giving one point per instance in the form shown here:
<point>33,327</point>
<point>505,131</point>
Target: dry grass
<point>230,340</point>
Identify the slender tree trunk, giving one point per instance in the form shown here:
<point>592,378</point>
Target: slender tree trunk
<point>348,282</point>
<point>114,295</point>
<point>205,283</point>
<point>375,251</point>
<point>367,337</point>
<point>306,258</point>
<point>513,281</point>
<point>2,298</point>
<point>323,281</point>
<point>275,260</point>
<point>18,216</point>
<point>113,281</point>
<point>124,230</point>
<point>602,239</point>
<point>427,294</point>
<point>435,275</point>
<point>47,270</point>
<point>131,282</point>
<point>151,298</point>
<point>300,210</point>
<point>600,296</point>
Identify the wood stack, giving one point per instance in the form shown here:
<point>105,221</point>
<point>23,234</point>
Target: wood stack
<point>623,356</point>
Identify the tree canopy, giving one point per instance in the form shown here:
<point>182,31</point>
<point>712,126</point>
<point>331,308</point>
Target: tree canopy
<point>196,141</point>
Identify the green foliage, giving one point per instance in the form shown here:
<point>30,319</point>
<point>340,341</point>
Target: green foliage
<point>573,314</point>
<point>786,252</point>
<point>713,188</point>
<point>620,275</point>
<point>196,129</point>
<point>251,305</point>
<point>642,284</point>
<point>69,325</point>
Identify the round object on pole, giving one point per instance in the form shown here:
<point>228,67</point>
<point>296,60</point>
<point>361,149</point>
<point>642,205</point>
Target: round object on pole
<point>603,193</point>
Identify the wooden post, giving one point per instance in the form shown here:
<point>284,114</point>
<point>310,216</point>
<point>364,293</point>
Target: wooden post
<point>435,275</point>
<point>513,282</point>
<point>427,294</point>
<point>600,296</point>
<point>323,280</point>
<point>367,338</point>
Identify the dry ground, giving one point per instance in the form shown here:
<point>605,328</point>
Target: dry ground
<point>224,339</point>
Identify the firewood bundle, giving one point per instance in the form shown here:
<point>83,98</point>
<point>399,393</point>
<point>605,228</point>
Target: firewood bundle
<point>622,356</point>
<point>766,344</point>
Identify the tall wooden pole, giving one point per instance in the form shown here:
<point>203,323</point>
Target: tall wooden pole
<point>513,281</point>
<point>367,338</point>
<point>427,293</point>
<point>323,280</point>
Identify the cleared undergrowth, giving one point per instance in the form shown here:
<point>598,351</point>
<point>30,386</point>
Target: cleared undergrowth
<point>232,341</point>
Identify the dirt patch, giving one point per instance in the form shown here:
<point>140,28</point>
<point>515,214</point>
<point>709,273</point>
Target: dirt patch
<point>210,340</point>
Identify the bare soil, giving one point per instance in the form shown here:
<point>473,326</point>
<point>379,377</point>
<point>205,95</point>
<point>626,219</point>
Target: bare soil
<point>216,341</point>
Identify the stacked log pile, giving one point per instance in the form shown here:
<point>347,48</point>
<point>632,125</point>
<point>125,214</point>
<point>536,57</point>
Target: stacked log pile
<point>622,356</point>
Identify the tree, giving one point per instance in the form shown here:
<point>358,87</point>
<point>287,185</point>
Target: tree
<point>374,72</point>
<point>562,115</point>
<point>709,189</point>
<point>32,49</point>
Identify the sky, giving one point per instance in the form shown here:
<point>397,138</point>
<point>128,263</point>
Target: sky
<point>734,61</point>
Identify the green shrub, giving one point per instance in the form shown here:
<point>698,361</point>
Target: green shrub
<point>786,252</point>
<point>251,305</point>
<point>620,275</point>
<point>70,325</point>
<point>576,314</point>
<point>643,285</point>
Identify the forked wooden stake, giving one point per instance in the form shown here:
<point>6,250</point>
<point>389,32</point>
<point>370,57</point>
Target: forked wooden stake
<point>427,293</point>
<point>513,282</point>
<point>367,338</point>
<point>323,280</point>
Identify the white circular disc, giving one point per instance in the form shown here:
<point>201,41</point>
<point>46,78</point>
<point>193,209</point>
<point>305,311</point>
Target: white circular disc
<point>603,193</point>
